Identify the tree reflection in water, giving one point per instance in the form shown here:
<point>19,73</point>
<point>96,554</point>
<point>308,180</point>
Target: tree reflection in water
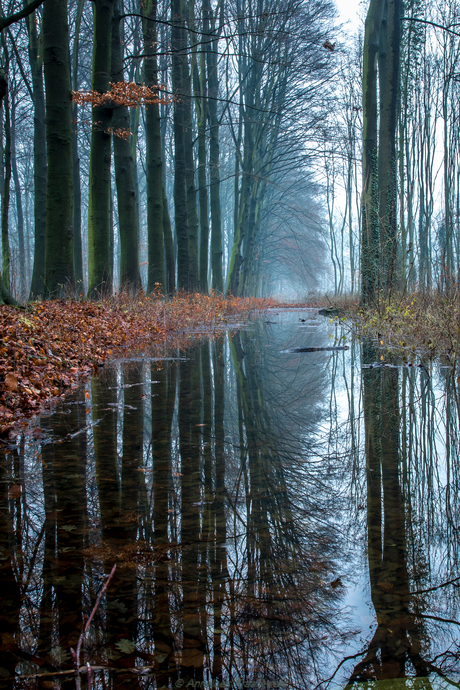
<point>216,481</point>
<point>400,645</point>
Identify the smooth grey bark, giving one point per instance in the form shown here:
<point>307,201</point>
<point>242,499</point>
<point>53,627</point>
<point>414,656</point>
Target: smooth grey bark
<point>389,72</point>
<point>77,240</point>
<point>6,258</point>
<point>59,271</point>
<point>170,262</point>
<point>190,187</point>
<point>154,161</point>
<point>19,209</point>
<point>179,47</point>
<point>128,222</point>
<point>100,259</point>
<point>370,231</point>
<point>199,92</point>
<point>37,286</point>
<point>210,25</point>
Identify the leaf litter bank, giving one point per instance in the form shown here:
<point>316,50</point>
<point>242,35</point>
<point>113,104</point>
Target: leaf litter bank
<point>46,350</point>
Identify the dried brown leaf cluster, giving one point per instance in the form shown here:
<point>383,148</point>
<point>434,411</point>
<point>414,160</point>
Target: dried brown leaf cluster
<point>45,351</point>
<point>128,94</point>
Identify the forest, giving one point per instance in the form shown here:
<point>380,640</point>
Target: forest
<point>252,148</point>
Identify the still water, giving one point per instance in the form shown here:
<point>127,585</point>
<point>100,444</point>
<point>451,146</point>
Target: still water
<point>277,519</point>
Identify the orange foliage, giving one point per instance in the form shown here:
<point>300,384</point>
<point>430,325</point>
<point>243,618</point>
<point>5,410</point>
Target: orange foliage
<point>122,93</point>
<point>48,349</point>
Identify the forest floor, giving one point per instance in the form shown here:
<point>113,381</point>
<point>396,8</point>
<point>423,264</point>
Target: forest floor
<point>415,325</point>
<point>47,348</point>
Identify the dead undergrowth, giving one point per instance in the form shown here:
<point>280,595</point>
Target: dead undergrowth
<point>425,324</point>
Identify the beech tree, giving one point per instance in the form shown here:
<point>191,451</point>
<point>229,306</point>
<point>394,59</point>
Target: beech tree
<point>370,234</point>
<point>77,229</point>
<point>156,207</point>
<point>124,171</point>
<point>37,287</point>
<point>59,271</point>
<point>179,46</point>
<point>99,226</point>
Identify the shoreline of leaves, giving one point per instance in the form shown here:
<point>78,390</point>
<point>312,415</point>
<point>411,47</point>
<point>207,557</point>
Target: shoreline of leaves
<point>46,350</point>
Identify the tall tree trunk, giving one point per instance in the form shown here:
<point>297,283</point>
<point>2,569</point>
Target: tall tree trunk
<point>99,228</point>
<point>209,23</point>
<point>77,243</point>
<point>370,215</point>
<point>6,259</point>
<point>192,214</point>
<point>5,295</point>
<point>19,210</point>
<point>37,287</point>
<point>389,105</point>
<point>59,271</point>
<point>199,90</point>
<point>154,163</point>
<point>170,261</point>
<point>128,222</point>
<point>178,47</point>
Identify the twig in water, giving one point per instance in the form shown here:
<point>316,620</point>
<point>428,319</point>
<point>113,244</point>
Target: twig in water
<point>76,655</point>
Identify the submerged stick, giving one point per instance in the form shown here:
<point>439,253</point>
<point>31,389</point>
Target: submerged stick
<point>76,655</point>
<point>333,348</point>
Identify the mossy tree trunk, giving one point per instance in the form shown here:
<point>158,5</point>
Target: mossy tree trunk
<point>209,25</point>
<point>36,65</point>
<point>77,243</point>
<point>154,162</point>
<point>390,38</point>
<point>190,187</point>
<point>128,222</point>
<point>199,90</point>
<point>170,260</point>
<point>6,258</point>
<point>99,226</point>
<point>22,268</point>
<point>370,236</point>
<point>179,46</point>
<point>59,270</point>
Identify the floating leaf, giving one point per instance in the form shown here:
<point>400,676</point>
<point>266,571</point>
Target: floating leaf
<point>60,655</point>
<point>14,491</point>
<point>125,646</point>
<point>191,658</point>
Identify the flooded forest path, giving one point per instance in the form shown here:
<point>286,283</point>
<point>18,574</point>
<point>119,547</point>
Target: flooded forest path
<point>282,511</point>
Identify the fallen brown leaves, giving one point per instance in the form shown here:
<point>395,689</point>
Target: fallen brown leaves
<point>47,349</point>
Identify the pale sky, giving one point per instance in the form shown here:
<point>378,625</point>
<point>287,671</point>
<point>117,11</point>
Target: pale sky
<point>349,11</point>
